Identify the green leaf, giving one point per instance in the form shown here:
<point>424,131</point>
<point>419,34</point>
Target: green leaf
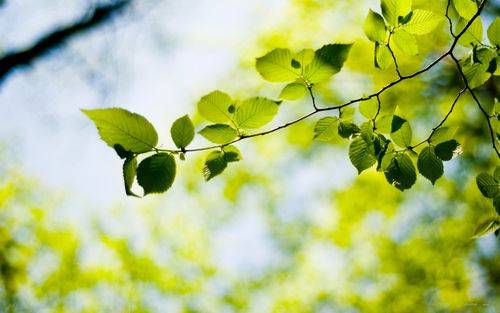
<point>443,134</point>
<point>392,9</point>
<point>447,149</point>
<point>465,8</point>
<point>487,184</point>
<point>326,128</point>
<point>496,203</point>
<point>401,172</point>
<point>327,61</point>
<point>405,42</point>
<point>215,164</point>
<point>384,124</point>
<point>305,57</point>
<point>130,130</point>
<point>473,35</point>
<point>429,165</point>
<point>219,133</point>
<point>215,107</point>
<point>129,172</point>
<point>362,152</point>
<point>232,154</point>
<point>401,132</point>
<point>293,91</point>
<point>422,22</point>
<point>255,112</point>
<point>383,57</point>
<point>182,132</point>
<point>347,129</point>
<point>494,32</point>
<point>369,108</point>
<point>402,20</point>
<point>487,227</point>
<point>374,27</point>
<point>276,66</point>
<point>156,173</point>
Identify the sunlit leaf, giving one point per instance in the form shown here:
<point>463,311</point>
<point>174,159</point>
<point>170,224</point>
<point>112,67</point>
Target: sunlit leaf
<point>293,91</point>
<point>488,185</point>
<point>374,27</point>
<point>276,66</point>
<point>473,35</point>
<point>422,22</point>
<point>362,152</point>
<point>219,133</point>
<point>215,107</point>
<point>255,112</point>
<point>326,128</point>
<point>327,61</point>
<point>494,32</point>
<point>129,173</point>
<point>465,8</point>
<point>487,227</point>
<point>405,42</point>
<point>182,132</point>
<point>383,57</point>
<point>392,9</point>
<point>131,131</point>
<point>401,132</point>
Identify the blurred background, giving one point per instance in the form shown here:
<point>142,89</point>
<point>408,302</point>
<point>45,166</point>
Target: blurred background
<point>291,228</point>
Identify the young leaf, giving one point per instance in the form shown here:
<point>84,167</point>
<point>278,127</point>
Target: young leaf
<point>383,57</point>
<point>392,9</point>
<point>362,152</point>
<point>369,108</point>
<point>129,172</point>
<point>487,184</point>
<point>304,57</point>
<point>494,32</point>
<point>465,8</point>
<point>487,227</point>
<point>405,42</point>
<point>443,134</point>
<point>447,149</point>
<point>231,154</point>
<point>384,124</point>
<point>473,35</point>
<point>429,165</point>
<point>401,172</point>
<point>219,133</point>
<point>327,61</point>
<point>276,66</point>
<point>422,22</point>
<point>255,112</point>
<point>156,173</point>
<point>293,91</point>
<point>347,129</point>
<point>215,107</point>
<point>214,165</point>
<point>182,132</point>
<point>131,131</point>
<point>401,132</point>
<point>326,128</point>
<point>374,27</point>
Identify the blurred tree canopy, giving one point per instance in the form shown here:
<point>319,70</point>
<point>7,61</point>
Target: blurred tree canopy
<point>358,245</point>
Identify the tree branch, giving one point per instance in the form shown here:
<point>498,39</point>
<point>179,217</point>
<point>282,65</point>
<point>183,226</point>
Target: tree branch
<point>377,94</point>
<point>55,39</point>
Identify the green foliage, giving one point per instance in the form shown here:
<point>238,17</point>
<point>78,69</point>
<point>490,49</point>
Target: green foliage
<point>326,128</point>
<point>405,42</point>
<point>473,35</point>
<point>487,227</point>
<point>215,107</point>
<point>383,57</point>
<point>494,32</point>
<point>465,8</point>
<point>255,112</point>
<point>401,172</point>
<point>293,91</point>
<point>421,22</point>
<point>219,133</point>
<point>362,150</point>
<point>182,132</point>
<point>129,173</point>
<point>392,9</point>
<point>488,185</point>
<point>401,132</point>
<point>131,131</point>
<point>447,149</point>
<point>429,165</point>
<point>374,27</point>
<point>156,173</point>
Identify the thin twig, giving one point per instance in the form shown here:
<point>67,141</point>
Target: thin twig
<point>450,23</point>
<point>393,55</point>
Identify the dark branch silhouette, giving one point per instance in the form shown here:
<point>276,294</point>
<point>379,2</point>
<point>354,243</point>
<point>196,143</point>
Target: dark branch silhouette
<point>98,16</point>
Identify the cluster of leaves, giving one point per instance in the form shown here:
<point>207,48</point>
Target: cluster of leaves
<point>398,26</point>
<point>383,139</point>
<point>132,135</point>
